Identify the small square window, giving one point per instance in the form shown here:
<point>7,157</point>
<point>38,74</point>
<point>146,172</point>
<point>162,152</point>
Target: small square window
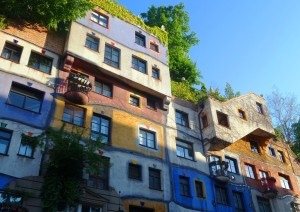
<point>232,165</point>
<point>100,128</point>
<point>222,119</point>
<point>250,171</point>
<point>221,194</point>
<point>242,114</point>
<point>73,115</point>
<point>151,104</point>
<point>147,138</point>
<point>40,62</point>
<point>184,183</point>
<point>88,208</point>
<point>135,101</point>
<point>12,52</point>
<point>5,137</point>
<point>112,56</point>
<point>285,181</point>
<point>272,151</point>
<point>154,47</point>
<point>25,148</point>
<point>100,179</point>
<point>263,174</point>
<point>135,172</point>
<point>155,73</point>
<point>199,186</point>
<point>254,146</point>
<point>100,19</point>
<point>184,150</point>
<point>25,97</point>
<point>204,121</point>
<point>154,179</point>
<point>103,88</point>
<point>92,42</point>
<point>259,108</point>
<point>140,39</point>
<point>182,118</point>
<point>139,64</point>
<point>281,156</point>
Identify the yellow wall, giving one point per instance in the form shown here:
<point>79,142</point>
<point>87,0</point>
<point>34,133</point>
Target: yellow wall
<point>157,206</point>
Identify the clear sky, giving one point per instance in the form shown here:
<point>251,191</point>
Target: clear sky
<point>252,44</point>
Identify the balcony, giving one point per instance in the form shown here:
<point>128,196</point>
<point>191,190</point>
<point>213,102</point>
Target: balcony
<point>78,88</point>
<point>269,188</point>
<point>218,170</point>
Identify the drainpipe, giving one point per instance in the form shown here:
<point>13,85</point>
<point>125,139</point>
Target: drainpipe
<point>200,128</point>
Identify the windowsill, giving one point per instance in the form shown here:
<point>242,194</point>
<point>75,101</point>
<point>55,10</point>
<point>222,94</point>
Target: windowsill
<point>110,97</point>
<point>147,147</point>
<point>183,126</point>
<point>73,124</point>
<point>156,189</point>
<point>99,24</point>
<point>96,51</point>
<point>233,173</point>
<point>140,45</point>
<point>39,70</point>
<point>4,154</point>
<point>228,127</point>
<point>186,158</point>
<point>153,109</point>
<point>200,197</point>
<point>186,196</point>
<point>156,78</point>
<point>112,65</point>
<point>140,71</point>
<point>38,113</point>
<point>9,60</point>
<point>135,105</point>
<point>140,180</point>
<point>24,156</point>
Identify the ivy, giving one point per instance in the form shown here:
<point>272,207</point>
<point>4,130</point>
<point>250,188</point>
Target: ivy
<point>32,141</point>
<point>184,91</point>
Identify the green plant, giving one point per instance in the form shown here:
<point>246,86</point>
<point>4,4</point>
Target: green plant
<point>184,91</point>
<point>2,22</point>
<point>32,141</point>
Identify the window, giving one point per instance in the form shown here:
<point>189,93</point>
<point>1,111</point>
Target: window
<point>250,171</point>
<point>100,19</point>
<point>242,114</point>
<point>221,194</point>
<point>10,200</point>
<point>285,181</point>
<point>154,179</point>
<point>155,73</point>
<point>103,88</point>
<point>25,97</point>
<point>232,165</point>
<point>40,62</point>
<point>147,138</point>
<point>182,118</point>
<point>100,128</point>
<point>25,147</point>
<point>151,104</point>
<point>238,201</point>
<point>222,119</point>
<point>254,146</point>
<point>135,171</point>
<point>154,47</point>
<point>281,156</point>
<point>92,42</point>
<point>139,64</point>
<point>199,186</point>
<point>140,39</point>
<point>112,56</point>
<point>204,121</point>
<point>215,166</point>
<point>135,101</point>
<point>264,204</point>
<point>87,208</point>
<point>259,108</point>
<point>184,183</point>
<point>133,208</point>
<point>5,137</point>
<point>272,151</point>
<point>184,150</point>
<point>73,115</point>
<point>100,179</point>
<point>263,174</point>
<point>12,52</point>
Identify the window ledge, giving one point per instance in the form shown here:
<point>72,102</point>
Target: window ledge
<point>9,60</point>
<point>2,154</point>
<point>96,51</point>
<point>24,156</point>
<point>72,124</point>
<point>110,97</point>
<point>186,158</point>
<point>38,113</point>
<point>186,196</point>
<point>40,70</point>
<point>112,65</point>
<point>156,189</point>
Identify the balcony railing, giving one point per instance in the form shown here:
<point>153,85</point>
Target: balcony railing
<point>78,88</point>
<point>269,188</point>
<point>218,170</point>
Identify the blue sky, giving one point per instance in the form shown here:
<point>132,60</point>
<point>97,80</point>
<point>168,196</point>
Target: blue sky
<point>254,45</point>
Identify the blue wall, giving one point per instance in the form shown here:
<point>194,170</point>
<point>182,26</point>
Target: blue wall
<point>4,180</point>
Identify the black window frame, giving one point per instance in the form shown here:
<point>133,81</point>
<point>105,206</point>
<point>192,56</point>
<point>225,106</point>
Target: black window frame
<point>100,133</point>
<point>287,180</point>
<point>232,162</point>
<point>101,85</point>
<point>223,119</point>
<point>91,41</point>
<point>13,50</point>
<point>5,139</point>
<point>136,64</point>
<point>238,201</point>
<point>28,94</point>
<point>109,54</point>
<point>254,146</point>
<point>281,156</point>
<point>154,179</point>
<point>271,151</point>
<point>135,171</point>
<point>151,104</point>
<point>24,144</point>
<point>147,132</point>
<point>186,146</point>
<point>182,118</point>
<point>100,180</point>
<point>154,47</point>
<point>98,21</point>
<point>40,58</point>
<point>221,195</point>
<point>134,100</point>
<point>199,189</point>
<point>184,186</point>
<point>250,171</point>
<point>73,115</point>
<point>155,73</point>
<point>140,39</point>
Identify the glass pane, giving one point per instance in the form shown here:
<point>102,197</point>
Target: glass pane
<point>6,53</point>
<point>78,121</point>
<point>4,134</point>
<point>16,99</point>
<point>104,130</point>
<point>3,146</point>
<point>67,117</point>
<point>180,151</point>
<point>32,104</point>
<point>94,17</point>
<point>151,144</point>
<point>22,150</point>
<point>95,127</point>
